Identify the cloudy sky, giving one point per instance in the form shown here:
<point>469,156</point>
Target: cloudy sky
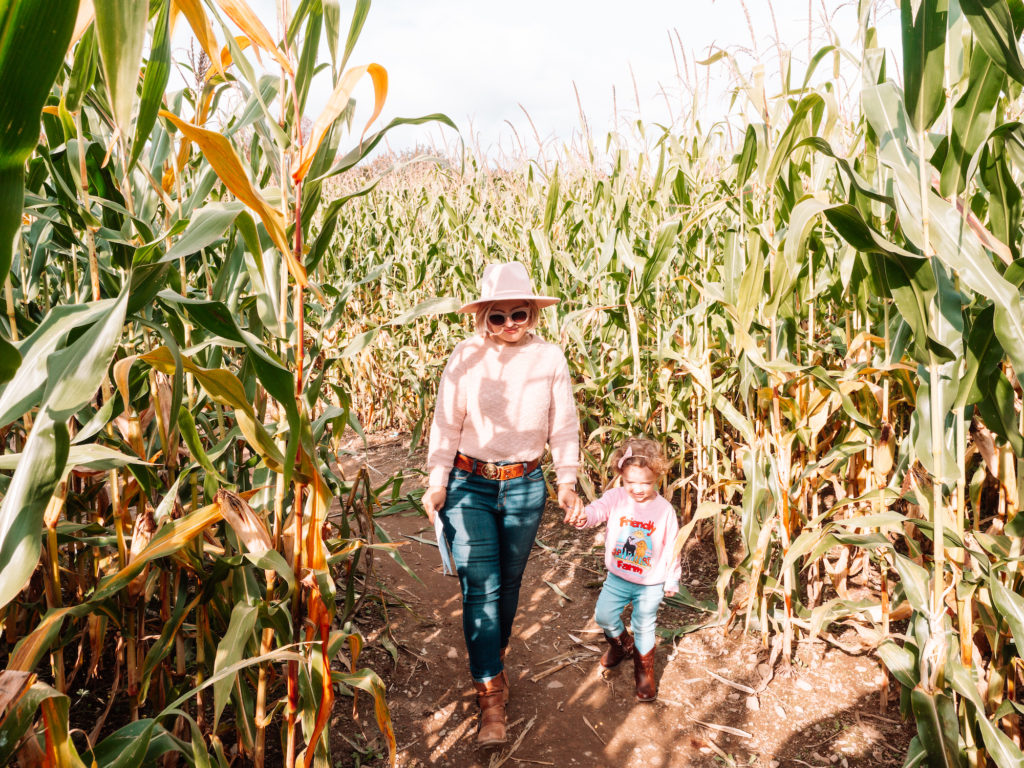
<point>488,64</point>
<point>494,67</point>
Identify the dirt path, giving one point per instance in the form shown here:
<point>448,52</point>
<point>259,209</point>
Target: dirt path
<point>564,712</point>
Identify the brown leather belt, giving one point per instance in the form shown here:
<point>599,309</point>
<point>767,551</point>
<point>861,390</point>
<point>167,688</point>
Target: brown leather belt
<point>492,471</point>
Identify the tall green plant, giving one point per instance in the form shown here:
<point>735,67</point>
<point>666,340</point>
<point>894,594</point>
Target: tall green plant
<point>166,425</point>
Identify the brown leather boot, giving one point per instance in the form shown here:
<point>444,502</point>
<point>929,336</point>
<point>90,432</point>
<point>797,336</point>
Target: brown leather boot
<point>504,676</point>
<point>618,648</point>
<point>643,675</point>
<point>491,698</point>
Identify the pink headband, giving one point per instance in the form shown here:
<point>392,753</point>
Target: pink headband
<point>627,455</point>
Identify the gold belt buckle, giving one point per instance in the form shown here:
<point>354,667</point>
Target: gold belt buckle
<point>490,471</point>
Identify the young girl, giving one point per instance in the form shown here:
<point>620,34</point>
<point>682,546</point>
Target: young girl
<point>638,553</point>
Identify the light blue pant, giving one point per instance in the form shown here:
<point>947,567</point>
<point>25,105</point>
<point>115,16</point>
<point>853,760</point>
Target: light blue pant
<point>615,595</point>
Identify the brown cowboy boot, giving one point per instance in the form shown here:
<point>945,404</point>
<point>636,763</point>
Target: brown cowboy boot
<point>643,675</point>
<point>618,648</point>
<point>504,676</point>
<point>491,698</point>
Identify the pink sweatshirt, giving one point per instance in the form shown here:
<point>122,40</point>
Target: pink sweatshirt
<point>640,539</point>
<point>502,402</point>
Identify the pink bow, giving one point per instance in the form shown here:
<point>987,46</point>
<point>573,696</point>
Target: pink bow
<point>627,455</point>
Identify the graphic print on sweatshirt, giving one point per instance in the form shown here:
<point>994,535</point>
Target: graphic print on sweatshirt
<point>634,549</point>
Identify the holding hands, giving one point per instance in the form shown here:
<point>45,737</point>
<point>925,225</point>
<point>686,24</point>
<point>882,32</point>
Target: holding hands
<point>574,515</point>
<point>571,504</point>
<point>434,498</point>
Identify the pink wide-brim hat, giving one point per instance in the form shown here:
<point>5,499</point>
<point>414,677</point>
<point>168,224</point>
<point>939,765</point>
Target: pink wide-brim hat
<point>507,282</point>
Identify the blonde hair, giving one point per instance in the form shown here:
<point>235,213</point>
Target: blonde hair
<point>480,319</point>
<point>642,453</point>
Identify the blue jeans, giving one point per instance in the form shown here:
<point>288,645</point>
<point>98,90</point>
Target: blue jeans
<point>615,595</point>
<point>491,526</point>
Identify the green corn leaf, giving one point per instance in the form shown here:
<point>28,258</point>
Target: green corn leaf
<point>1010,606</point>
<point>139,743</point>
<point>44,28</point>
<point>75,373</point>
<point>439,305</point>
<point>1003,751</point>
<point>661,255</point>
<point>370,142</point>
<point>937,728</point>
<point>993,25</point>
<point>158,73</point>
<point>272,560</point>
<point>973,120</point>
<point>206,226</point>
<point>230,651</point>
<point>901,662</point>
<point>190,435</point>
<point>25,390</point>
<point>915,581</point>
<point>848,170</point>
<point>924,46</point>
<point>83,70</point>
<point>916,754</point>
<point>121,33</point>
<point>308,57</point>
<point>797,129</point>
<point>850,224</point>
<point>225,388</point>
<point>359,14</point>
<point>26,499</point>
<point>1004,196</point>
<point>92,457</point>
<point>748,157</point>
<point>997,409</point>
<point>983,357</point>
<point>215,317</point>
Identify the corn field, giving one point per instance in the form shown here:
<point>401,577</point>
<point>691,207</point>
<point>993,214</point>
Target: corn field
<point>819,314</point>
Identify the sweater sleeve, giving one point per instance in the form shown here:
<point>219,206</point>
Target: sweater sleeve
<point>599,510</point>
<point>563,425</point>
<point>446,428</point>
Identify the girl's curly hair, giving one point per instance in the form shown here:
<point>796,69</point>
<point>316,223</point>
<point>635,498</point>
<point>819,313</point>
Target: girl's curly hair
<point>642,453</point>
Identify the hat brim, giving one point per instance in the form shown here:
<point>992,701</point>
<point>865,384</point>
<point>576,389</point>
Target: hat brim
<point>540,301</point>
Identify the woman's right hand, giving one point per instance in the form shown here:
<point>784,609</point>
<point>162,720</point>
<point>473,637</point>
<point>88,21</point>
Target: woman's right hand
<point>433,500</point>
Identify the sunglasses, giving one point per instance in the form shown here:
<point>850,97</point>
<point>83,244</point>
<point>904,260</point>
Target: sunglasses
<point>518,317</point>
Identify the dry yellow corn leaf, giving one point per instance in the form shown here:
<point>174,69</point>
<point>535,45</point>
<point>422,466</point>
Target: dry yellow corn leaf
<point>335,106</point>
<point>142,533</point>
<point>247,525</point>
<point>225,53</point>
<point>240,13</point>
<point>319,503</point>
<point>197,19</point>
<point>225,162</point>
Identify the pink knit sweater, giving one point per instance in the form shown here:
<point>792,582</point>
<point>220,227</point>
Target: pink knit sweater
<point>501,402</point>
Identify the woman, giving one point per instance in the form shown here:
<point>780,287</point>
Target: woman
<point>504,394</point>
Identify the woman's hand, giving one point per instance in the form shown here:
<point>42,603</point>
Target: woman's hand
<point>433,500</point>
<point>567,498</point>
